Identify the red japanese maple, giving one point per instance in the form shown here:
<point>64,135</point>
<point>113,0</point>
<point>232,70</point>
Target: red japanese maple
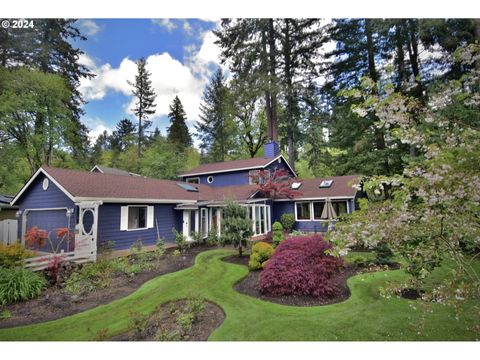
<point>277,184</point>
<point>36,237</point>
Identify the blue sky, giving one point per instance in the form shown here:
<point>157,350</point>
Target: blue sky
<point>180,55</point>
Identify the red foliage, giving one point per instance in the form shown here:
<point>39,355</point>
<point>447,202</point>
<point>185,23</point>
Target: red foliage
<point>300,266</point>
<point>36,237</point>
<point>277,185</point>
<point>54,268</point>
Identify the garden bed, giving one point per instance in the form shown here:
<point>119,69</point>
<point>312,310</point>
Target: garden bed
<point>175,321</point>
<point>249,284</point>
<point>57,303</point>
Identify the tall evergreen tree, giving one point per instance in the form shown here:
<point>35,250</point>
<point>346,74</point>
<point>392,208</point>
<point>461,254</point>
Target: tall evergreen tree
<point>48,46</point>
<point>124,135</point>
<point>177,132</point>
<point>215,128</point>
<point>145,100</point>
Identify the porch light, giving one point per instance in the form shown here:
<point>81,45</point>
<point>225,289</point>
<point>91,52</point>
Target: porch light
<point>69,212</point>
<point>18,214</point>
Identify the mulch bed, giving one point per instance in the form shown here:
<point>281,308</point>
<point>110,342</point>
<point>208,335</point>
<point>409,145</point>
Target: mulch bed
<point>56,303</point>
<point>164,321</point>
<point>249,285</point>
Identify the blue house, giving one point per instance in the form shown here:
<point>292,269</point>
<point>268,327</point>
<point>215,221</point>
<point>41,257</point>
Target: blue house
<point>106,204</point>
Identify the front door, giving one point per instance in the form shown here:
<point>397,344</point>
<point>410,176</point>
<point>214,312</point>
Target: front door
<point>189,223</point>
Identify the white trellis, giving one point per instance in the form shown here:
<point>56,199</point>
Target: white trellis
<point>85,240</point>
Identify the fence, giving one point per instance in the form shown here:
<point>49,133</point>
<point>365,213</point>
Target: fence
<point>8,231</point>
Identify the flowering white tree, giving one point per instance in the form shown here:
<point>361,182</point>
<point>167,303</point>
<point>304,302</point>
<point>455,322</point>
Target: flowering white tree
<point>431,211</point>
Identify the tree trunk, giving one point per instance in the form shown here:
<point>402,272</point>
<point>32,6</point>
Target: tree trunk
<point>289,95</point>
<point>400,60</point>
<point>272,82</point>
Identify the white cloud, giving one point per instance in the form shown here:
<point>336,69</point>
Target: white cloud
<point>169,76</point>
<point>89,27</point>
<point>168,24</point>
<point>96,126</point>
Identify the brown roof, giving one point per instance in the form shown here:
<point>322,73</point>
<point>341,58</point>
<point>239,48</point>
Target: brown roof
<point>341,187</point>
<point>112,171</point>
<point>106,186</point>
<point>257,162</point>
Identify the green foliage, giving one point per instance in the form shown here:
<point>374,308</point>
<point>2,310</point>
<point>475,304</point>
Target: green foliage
<point>12,255</point>
<point>277,233</point>
<point>178,133</point>
<point>17,284</point>
<point>212,238</point>
<point>138,322</point>
<point>90,277</point>
<point>261,252</point>
<point>176,253</point>
<point>288,221</point>
<point>5,314</point>
<point>236,226</point>
<point>180,240</point>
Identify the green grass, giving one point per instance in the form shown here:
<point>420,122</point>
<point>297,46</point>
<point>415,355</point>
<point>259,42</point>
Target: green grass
<point>364,316</point>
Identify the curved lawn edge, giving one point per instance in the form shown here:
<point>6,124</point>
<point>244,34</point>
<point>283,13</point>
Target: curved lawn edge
<point>365,315</point>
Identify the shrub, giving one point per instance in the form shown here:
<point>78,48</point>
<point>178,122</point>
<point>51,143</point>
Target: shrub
<point>212,238</point>
<point>261,252</point>
<point>90,277</point>
<point>236,226</point>
<point>300,266</point>
<point>288,221</point>
<point>12,255</point>
<point>17,284</point>
<point>277,233</point>
<point>180,240</point>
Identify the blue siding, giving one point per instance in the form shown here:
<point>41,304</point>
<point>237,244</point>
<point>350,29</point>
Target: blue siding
<point>36,198</point>
<point>282,207</point>
<point>109,226</point>
<point>236,177</point>
<point>271,149</point>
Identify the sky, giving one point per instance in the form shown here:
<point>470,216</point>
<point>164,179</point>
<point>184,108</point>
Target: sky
<point>181,56</point>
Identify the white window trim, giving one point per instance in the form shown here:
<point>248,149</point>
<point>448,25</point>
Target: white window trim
<point>212,179</point>
<point>313,213</point>
<point>303,202</point>
<point>146,220</point>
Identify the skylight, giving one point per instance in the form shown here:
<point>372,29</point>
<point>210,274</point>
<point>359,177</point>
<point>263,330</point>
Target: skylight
<point>296,185</point>
<point>188,187</point>
<point>326,183</point>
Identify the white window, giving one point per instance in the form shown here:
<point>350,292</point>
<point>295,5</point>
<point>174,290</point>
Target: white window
<point>136,217</point>
<point>254,177</point>
<point>340,207</point>
<point>260,215</point>
<point>210,179</point>
<point>318,209</point>
<point>195,180</point>
<point>302,211</point>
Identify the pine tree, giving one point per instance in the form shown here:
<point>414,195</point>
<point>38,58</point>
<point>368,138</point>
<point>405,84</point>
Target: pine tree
<point>123,135</point>
<point>145,100</point>
<point>215,128</point>
<point>177,132</point>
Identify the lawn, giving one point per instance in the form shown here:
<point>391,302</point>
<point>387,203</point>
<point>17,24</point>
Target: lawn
<point>364,316</point>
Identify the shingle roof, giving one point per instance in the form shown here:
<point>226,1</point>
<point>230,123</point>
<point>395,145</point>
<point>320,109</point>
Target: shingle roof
<point>86,184</point>
<point>257,162</point>
<point>112,171</point>
<point>341,187</point>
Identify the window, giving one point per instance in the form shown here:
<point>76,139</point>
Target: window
<point>260,215</point>
<point>296,185</point>
<point>195,180</point>
<point>210,179</point>
<point>302,211</point>
<point>255,178</point>
<point>326,183</point>
<point>340,207</point>
<point>45,184</point>
<point>188,187</point>
<point>318,210</point>
<point>137,217</point>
